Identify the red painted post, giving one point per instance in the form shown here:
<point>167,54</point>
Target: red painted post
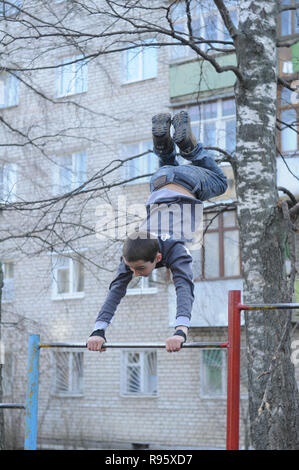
<point>233,370</point>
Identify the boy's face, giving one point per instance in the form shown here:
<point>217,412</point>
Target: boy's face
<point>143,268</point>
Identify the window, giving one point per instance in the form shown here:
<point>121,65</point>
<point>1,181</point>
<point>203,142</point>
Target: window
<point>8,281</point>
<point>69,172</point>
<point>287,136</point>
<point>8,183</point>
<point>144,165</point>
<point>68,373</point>
<point>139,373</point>
<point>206,23</point>
<point>140,63</point>
<point>287,67</point>
<point>9,86</point>
<point>72,77</point>
<point>285,20</point>
<point>213,373</point>
<point>7,10</point>
<point>68,277</point>
<point>289,19</point>
<point>143,285</point>
<point>214,123</point>
<point>219,257</point>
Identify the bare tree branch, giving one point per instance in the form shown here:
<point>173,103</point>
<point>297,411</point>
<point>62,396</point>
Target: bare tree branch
<point>233,31</point>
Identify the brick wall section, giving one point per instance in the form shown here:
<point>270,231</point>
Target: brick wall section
<point>179,415</point>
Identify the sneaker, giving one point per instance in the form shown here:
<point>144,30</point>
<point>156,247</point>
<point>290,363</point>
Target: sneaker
<point>183,136</point>
<point>163,142</point>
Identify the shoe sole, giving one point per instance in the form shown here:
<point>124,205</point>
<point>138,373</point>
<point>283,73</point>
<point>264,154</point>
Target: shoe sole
<point>181,125</point>
<point>161,125</point>
<point>161,133</point>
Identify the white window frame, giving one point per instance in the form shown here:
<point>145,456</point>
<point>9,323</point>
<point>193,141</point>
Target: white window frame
<point>143,285</point>
<point>8,183</point>
<point>74,66</point>
<point>146,164</point>
<point>8,284</point>
<point>70,381</point>
<point>223,394</point>
<point>77,177</point>
<point>71,294</point>
<point>203,385</point>
<point>141,56</point>
<point>142,364</point>
<point>287,67</point>
<point>9,90</point>
<point>220,122</point>
<point>200,16</point>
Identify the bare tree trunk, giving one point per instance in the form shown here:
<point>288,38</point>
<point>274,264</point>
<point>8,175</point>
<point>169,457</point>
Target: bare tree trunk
<point>266,231</point>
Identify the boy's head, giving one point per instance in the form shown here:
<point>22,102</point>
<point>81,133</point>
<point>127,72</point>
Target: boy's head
<point>141,253</point>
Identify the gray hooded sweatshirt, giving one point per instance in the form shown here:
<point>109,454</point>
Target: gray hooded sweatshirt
<point>175,256</point>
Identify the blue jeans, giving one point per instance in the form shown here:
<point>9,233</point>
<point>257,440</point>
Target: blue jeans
<point>203,177</point>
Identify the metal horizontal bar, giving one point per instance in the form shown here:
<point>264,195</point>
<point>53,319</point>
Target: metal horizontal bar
<point>12,405</point>
<point>134,345</point>
<point>267,306</point>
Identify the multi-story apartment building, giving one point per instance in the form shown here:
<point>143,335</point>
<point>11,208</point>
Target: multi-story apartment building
<point>125,397</point>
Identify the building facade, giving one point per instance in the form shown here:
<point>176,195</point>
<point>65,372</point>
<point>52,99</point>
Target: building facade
<point>120,398</point>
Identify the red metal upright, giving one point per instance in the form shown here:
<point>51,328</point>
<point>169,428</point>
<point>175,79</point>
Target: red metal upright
<point>233,370</point>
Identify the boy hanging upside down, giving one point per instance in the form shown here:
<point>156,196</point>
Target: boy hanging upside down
<point>144,251</point>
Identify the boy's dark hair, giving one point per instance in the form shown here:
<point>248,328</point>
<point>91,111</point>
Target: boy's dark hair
<point>140,246</point>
